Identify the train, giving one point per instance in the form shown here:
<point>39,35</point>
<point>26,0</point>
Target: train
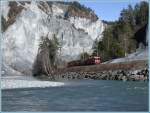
<point>94,60</point>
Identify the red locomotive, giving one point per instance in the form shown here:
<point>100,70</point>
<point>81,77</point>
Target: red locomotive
<point>90,61</point>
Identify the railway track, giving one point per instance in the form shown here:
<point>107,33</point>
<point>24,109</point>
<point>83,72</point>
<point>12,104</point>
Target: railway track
<point>133,65</point>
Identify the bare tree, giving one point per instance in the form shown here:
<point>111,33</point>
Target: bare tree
<point>45,62</point>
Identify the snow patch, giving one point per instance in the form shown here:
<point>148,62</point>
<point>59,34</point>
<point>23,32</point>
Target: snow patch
<point>139,55</point>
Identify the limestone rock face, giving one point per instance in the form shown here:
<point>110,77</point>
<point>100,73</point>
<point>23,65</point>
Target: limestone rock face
<point>21,39</point>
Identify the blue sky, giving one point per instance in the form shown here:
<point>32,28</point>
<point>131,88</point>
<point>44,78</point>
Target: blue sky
<point>107,9</point>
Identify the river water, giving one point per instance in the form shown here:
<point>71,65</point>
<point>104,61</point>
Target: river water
<point>81,95</point>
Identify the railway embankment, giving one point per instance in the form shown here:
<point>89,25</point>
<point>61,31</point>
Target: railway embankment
<point>127,71</point>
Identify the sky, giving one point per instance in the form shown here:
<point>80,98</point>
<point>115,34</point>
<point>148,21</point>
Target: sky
<point>107,9</point>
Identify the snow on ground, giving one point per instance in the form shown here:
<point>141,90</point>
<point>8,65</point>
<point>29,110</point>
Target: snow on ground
<point>139,55</point>
<point>12,82</point>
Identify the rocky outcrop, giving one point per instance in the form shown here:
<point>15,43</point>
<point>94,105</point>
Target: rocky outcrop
<point>125,75</point>
<point>77,10</point>
<point>13,12</point>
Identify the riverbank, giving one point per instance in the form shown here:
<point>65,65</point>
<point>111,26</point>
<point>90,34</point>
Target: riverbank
<point>22,81</point>
<point>127,71</point>
<point>125,75</point>
<point>131,71</point>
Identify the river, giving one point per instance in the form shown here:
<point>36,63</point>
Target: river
<point>80,95</point>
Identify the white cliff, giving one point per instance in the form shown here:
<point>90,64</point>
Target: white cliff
<point>20,41</point>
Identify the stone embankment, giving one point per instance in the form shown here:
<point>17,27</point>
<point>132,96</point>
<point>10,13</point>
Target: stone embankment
<point>106,75</point>
<point>131,71</point>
